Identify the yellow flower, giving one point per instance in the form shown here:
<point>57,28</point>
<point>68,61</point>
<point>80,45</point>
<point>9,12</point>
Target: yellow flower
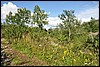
<point>63,57</point>
<point>51,56</point>
<point>65,52</point>
<point>86,60</point>
<point>14,40</point>
<point>53,50</point>
<point>55,60</point>
<point>92,62</point>
<point>90,53</point>
<point>84,56</point>
<point>80,51</point>
<point>23,36</point>
<point>74,60</point>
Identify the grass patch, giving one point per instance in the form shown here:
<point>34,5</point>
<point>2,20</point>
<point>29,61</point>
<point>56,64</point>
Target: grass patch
<point>16,61</point>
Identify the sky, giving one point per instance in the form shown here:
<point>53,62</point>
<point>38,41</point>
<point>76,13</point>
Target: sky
<point>84,10</point>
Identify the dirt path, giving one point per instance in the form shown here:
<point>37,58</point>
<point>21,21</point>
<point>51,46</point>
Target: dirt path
<point>22,59</point>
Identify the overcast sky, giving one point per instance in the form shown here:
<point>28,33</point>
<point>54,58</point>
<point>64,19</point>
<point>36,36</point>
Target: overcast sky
<point>84,10</point>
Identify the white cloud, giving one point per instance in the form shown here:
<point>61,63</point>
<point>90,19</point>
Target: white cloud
<point>88,13</point>
<point>6,8</point>
<point>31,13</point>
<point>47,13</point>
<point>47,27</point>
<point>53,21</point>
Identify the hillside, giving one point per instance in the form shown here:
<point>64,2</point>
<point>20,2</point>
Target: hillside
<point>71,44</point>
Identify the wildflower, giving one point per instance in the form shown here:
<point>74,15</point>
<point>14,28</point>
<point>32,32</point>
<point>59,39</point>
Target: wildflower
<point>74,60</point>
<point>92,62</point>
<point>55,60</point>
<point>90,53</point>
<point>14,40</point>
<point>84,56</point>
<point>63,57</point>
<point>23,36</point>
<point>80,51</point>
<point>53,50</point>
<point>65,52</point>
<point>50,56</point>
<point>86,60</point>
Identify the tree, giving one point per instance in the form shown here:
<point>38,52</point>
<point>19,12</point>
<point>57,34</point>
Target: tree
<point>17,23</point>
<point>20,18</point>
<point>39,17</point>
<point>91,27</point>
<point>9,18</point>
<point>68,21</point>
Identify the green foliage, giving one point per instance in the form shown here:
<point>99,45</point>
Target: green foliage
<point>20,18</point>
<point>39,17</point>
<point>70,44</point>
<point>92,26</point>
<point>68,21</point>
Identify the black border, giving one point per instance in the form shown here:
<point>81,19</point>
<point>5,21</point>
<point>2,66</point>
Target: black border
<point>48,0</point>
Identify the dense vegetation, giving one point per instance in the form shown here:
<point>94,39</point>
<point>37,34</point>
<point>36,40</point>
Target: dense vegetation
<point>72,43</point>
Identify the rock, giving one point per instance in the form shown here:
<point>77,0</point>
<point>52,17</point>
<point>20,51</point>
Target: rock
<point>7,60</point>
<point>6,46</point>
<point>2,51</point>
<point>2,39</point>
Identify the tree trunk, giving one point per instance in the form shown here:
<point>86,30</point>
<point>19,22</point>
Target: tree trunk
<point>92,37</point>
<point>69,34</point>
